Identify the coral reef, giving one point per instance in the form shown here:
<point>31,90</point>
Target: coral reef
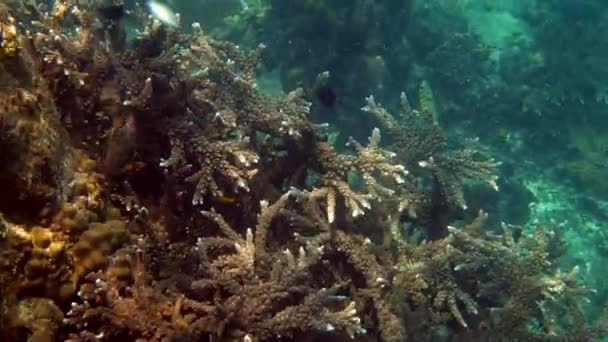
<point>153,193</point>
<point>418,142</point>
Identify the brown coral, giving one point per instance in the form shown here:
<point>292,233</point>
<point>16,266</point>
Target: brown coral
<point>266,300</point>
<point>419,143</point>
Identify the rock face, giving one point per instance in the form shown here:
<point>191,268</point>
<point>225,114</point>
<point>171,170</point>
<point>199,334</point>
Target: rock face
<point>33,144</point>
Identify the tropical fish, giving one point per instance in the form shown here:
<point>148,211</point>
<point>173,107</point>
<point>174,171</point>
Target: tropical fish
<point>162,12</point>
<point>326,95</point>
<point>225,200</point>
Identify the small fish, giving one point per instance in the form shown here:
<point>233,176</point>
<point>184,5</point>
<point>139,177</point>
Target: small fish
<point>162,12</point>
<point>327,96</point>
<point>226,200</point>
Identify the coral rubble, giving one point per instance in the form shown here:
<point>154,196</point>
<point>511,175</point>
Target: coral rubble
<point>152,193</point>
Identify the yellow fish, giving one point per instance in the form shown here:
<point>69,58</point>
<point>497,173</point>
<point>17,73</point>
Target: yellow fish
<point>226,199</point>
<point>162,12</point>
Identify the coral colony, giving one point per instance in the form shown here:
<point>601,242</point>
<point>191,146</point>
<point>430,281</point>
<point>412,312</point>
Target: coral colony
<point>150,192</point>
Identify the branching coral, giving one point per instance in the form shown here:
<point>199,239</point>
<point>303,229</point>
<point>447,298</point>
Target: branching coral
<point>207,164</point>
<point>264,300</point>
<point>222,66</point>
<point>419,143</point>
<point>367,162</point>
<point>463,273</point>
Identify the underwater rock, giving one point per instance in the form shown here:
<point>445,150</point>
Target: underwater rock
<point>95,245</point>
<point>33,152</point>
<point>39,316</point>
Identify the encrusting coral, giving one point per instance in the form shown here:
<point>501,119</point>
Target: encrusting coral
<point>152,192</point>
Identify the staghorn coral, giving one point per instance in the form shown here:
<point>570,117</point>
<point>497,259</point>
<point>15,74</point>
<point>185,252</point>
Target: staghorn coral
<point>229,123</point>
<point>356,251</point>
<point>419,143</point>
<point>212,163</point>
<point>106,311</point>
<point>264,300</point>
<point>368,160</point>
<point>226,87</point>
<point>458,278</point>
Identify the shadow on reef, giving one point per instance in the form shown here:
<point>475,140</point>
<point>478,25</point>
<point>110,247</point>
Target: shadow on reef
<point>168,199</point>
